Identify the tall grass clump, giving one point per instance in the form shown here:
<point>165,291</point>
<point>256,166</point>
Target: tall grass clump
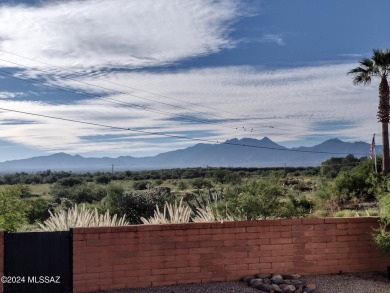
<point>172,213</point>
<point>79,216</point>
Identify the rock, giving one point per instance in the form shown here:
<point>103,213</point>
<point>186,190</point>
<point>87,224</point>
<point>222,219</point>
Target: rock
<point>255,282</point>
<point>263,276</point>
<point>276,283</point>
<point>289,288</point>
<point>248,279</point>
<point>265,287</point>
<point>296,282</point>
<point>277,279</point>
<point>283,286</point>
<point>276,288</point>
<point>311,286</point>
<point>267,281</point>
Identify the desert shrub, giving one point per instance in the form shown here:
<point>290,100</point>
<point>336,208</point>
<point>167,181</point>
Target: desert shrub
<point>12,210</point>
<point>356,213</point>
<point>81,193</point>
<point>141,185</point>
<point>181,185</point>
<point>294,206</point>
<point>137,204</point>
<point>356,183</point>
<point>103,179</point>
<point>37,209</point>
<point>25,191</point>
<point>233,178</point>
<point>220,176</point>
<point>158,182</point>
<point>332,167</point>
<point>200,183</point>
<point>70,181</point>
<point>255,200</point>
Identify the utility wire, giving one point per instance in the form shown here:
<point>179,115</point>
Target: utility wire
<point>198,120</point>
<point>192,110</point>
<point>169,135</point>
<point>126,104</point>
<point>188,118</point>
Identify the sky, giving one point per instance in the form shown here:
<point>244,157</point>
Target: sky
<point>109,78</point>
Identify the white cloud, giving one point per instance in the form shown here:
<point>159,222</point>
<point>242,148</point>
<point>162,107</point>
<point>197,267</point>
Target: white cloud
<point>116,33</point>
<point>273,38</point>
<point>10,95</point>
<point>282,104</point>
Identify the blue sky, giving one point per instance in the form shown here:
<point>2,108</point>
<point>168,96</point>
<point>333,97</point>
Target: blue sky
<point>202,69</point>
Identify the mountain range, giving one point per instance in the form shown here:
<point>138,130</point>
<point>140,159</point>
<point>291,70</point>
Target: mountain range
<point>246,152</point>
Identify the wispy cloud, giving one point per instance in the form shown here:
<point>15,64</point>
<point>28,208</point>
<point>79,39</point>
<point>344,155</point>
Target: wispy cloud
<point>273,38</point>
<point>283,104</point>
<point>351,55</point>
<point>116,33</point>
<point>10,95</point>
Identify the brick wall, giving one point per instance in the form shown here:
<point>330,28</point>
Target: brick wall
<point>1,258</point>
<point>153,255</point>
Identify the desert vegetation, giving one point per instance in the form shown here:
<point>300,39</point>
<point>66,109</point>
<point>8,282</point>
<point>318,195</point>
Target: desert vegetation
<point>339,187</point>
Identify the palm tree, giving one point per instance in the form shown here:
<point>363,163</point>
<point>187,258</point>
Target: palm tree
<point>378,66</point>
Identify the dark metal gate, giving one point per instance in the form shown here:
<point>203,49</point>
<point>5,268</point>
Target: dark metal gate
<point>37,262</point>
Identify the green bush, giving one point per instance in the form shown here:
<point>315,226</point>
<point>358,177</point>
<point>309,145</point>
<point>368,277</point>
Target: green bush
<point>293,206</point>
<point>141,185</point>
<point>255,200</point>
<point>356,183</point>
<point>181,185</point>
<point>137,204</point>
<point>70,181</point>
<point>25,191</point>
<point>37,210</point>
<point>12,210</point>
<point>200,183</point>
<point>81,193</point>
<point>103,179</point>
<point>381,239</point>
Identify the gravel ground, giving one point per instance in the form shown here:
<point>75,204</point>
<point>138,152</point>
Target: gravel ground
<point>338,283</point>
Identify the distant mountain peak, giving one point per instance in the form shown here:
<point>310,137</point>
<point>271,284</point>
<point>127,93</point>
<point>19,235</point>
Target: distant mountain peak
<point>244,152</point>
<point>334,140</point>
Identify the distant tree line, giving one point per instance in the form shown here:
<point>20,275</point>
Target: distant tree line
<point>219,175</point>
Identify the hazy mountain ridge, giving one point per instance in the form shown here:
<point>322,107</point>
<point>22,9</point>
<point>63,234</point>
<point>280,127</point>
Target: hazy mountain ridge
<point>246,152</point>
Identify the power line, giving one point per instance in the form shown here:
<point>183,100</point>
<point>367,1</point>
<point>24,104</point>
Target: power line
<point>145,108</point>
<point>198,120</point>
<point>192,110</point>
<point>168,135</point>
<point>135,106</point>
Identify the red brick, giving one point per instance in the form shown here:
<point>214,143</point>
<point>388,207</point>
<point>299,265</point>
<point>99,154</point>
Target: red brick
<point>291,222</point>
<point>303,227</point>
<point>314,221</point>
<point>234,230</point>
<point>258,229</point>
<point>281,241</point>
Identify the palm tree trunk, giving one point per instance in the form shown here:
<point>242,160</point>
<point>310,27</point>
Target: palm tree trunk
<point>383,115</point>
<point>385,148</point>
